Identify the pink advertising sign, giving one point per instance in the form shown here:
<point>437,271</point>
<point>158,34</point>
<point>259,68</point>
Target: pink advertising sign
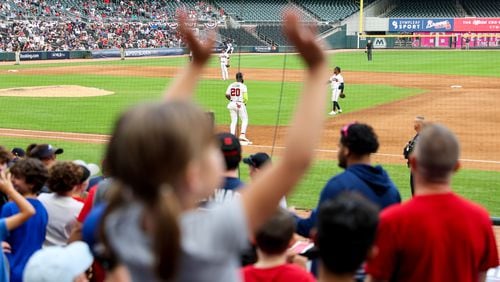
<point>477,24</point>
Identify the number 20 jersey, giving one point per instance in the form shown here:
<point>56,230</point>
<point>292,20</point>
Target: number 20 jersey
<point>235,90</point>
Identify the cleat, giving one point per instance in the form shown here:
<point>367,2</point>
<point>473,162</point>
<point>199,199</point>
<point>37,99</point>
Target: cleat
<point>332,113</point>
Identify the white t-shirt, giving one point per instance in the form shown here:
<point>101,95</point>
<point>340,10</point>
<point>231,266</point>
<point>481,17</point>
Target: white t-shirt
<point>236,90</point>
<point>336,80</point>
<point>223,59</point>
<point>62,212</point>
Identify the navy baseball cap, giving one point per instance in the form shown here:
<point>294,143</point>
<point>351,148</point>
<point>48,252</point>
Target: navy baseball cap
<point>18,152</point>
<point>257,160</point>
<point>44,151</point>
<point>229,144</point>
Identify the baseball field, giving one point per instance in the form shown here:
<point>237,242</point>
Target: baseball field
<point>72,105</point>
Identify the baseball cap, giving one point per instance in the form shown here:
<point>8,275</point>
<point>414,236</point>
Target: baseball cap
<point>18,152</point>
<point>43,151</point>
<point>229,144</point>
<point>89,169</point>
<point>57,263</point>
<point>257,160</point>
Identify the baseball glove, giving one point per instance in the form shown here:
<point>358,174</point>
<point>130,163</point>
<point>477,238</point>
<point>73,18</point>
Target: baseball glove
<point>227,66</point>
<point>342,95</point>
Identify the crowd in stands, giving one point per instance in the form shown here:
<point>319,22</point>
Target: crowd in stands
<point>41,35</point>
<point>45,25</point>
<point>158,212</point>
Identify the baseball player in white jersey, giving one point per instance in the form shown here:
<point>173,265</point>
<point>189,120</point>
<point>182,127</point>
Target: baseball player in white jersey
<point>237,95</point>
<point>224,62</point>
<point>337,83</point>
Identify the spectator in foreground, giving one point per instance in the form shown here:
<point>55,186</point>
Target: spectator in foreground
<point>13,221</point>
<point>437,235</point>
<point>256,163</point>
<point>357,143</point>
<point>345,236</point>
<point>273,240</point>
<point>164,155</point>
<point>231,150</point>
<point>61,264</point>
<point>65,177</point>
<point>28,177</point>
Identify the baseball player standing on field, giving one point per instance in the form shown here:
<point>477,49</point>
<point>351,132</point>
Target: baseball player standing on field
<point>237,95</point>
<point>337,83</point>
<point>369,49</point>
<point>224,62</point>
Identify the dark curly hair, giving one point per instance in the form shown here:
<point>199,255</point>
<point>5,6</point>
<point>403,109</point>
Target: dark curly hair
<point>360,138</point>
<point>33,171</point>
<point>64,176</point>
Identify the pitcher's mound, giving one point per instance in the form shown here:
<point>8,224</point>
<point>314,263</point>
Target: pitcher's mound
<point>54,91</point>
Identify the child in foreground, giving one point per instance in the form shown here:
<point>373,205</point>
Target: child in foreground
<point>273,240</point>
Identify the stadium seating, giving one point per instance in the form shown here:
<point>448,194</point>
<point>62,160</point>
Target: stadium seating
<point>254,10</point>
<point>425,8</point>
<point>241,37</point>
<point>330,10</point>
<point>482,8</point>
<point>274,33</point>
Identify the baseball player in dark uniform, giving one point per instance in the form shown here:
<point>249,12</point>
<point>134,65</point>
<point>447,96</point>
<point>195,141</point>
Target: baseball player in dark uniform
<point>17,50</point>
<point>418,125</point>
<point>122,51</point>
<point>368,50</point>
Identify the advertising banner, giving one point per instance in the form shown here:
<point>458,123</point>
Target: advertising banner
<point>58,55</point>
<point>410,25</point>
<point>27,56</point>
<point>115,53</point>
<point>477,24</point>
<point>264,49</point>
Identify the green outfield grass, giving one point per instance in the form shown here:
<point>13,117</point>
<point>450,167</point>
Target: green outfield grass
<point>475,63</point>
<point>96,114</point>
<point>476,185</point>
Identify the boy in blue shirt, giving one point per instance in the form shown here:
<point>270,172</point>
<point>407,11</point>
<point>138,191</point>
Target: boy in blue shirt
<point>26,211</point>
<point>28,177</point>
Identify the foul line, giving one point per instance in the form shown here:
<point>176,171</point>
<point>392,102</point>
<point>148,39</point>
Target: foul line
<point>105,138</point>
<point>376,154</point>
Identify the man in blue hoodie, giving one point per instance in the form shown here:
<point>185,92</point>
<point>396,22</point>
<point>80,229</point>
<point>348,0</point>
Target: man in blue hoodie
<point>357,143</point>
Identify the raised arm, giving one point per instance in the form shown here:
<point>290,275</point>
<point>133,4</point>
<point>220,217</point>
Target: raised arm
<point>26,210</point>
<point>185,83</point>
<point>261,199</point>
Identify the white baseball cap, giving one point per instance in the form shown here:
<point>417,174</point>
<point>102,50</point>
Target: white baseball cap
<point>56,263</point>
<point>92,168</point>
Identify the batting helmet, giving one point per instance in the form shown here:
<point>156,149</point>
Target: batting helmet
<point>239,77</point>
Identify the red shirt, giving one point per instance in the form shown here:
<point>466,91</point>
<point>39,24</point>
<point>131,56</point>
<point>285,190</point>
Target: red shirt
<point>87,205</point>
<point>434,238</point>
<point>281,273</point>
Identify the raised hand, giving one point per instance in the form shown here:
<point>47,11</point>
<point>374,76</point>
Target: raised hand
<point>201,50</point>
<point>5,182</point>
<point>304,39</point>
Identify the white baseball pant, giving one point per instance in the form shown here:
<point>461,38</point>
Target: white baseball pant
<point>238,109</point>
<point>225,74</point>
<point>335,95</point>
